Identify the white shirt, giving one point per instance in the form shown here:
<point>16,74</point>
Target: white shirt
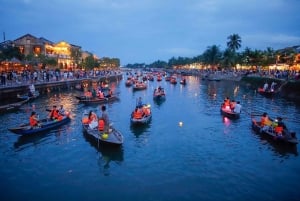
<point>237,108</point>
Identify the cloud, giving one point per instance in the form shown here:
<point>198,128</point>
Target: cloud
<point>276,41</point>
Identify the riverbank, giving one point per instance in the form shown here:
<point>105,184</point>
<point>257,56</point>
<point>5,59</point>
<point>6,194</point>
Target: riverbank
<point>289,89</point>
<point>9,92</point>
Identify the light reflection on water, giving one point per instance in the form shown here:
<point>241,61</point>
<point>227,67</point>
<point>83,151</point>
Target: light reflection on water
<point>203,157</point>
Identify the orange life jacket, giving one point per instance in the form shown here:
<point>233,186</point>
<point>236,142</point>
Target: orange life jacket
<point>33,121</point>
<point>278,129</point>
<point>263,121</point>
<point>101,125</point>
<point>137,114</point>
<point>54,114</point>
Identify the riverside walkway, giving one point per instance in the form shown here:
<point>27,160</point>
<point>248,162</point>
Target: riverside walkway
<point>11,88</point>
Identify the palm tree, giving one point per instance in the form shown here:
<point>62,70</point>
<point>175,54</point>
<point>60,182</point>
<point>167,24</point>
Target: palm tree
<point>234,42</point>
<point>212,55</point>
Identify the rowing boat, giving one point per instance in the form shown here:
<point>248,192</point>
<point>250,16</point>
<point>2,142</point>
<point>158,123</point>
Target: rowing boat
<point>229,113</point>
<point>44,125</point>
<point>96,100</point>
<point>289,137</point>
<point>112,137</point>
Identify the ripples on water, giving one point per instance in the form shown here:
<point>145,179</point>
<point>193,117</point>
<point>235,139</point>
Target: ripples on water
<point>207,158</point>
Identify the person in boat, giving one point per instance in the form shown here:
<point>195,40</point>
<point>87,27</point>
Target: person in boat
<point>232,105</point>
<point>94,93</point>
<point>92,120</point>
<point>33,120</point>
<point>273,86</point>
<point>140,102</point>
<point>100,94</point>
<point>137,113</point>
<point>238,107</point>
<point>54,113</point>
<point>266,85</point>
<point>146,111</point>
<point>265,122</point>
<point>226,103</point>
<point>88,94</point>
<point>105,119</point>
<point>110,93</point>
<point>280,128</point>
<point>61,110</point>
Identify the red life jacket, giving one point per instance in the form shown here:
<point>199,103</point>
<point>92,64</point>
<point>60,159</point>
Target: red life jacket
<point>101,125</point>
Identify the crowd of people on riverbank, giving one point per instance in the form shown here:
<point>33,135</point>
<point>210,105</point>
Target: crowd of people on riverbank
<point>14,78</point>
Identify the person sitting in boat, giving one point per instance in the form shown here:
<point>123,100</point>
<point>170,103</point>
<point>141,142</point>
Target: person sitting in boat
<point>232,105</point>
<point>92,120</point>
<point>33,120</point>
<point>88,94</point>
<point>105,118</point>
<point>238,107</point>
<point>100,94</point>
<point>273,86</point>
<point>266,85</point>
<point>109,94</point>
<point>94,94</point>
<point>54,113</point>
<point>146,111</point>
<point>62,111</point>
<point>280,128</point>
<point>226,103</point>
<point>137,113</point>
<point>265,122</point>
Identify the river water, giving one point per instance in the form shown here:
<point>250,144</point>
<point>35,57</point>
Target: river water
<point>208,157</point>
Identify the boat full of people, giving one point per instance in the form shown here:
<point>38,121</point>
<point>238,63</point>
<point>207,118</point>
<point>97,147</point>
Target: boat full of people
<point>100,129</point>
<point>274,128</point>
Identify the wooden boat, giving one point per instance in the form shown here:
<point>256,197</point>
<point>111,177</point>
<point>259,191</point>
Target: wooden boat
<point>114,137</point>
<point>229,113</point>
<point>129,82</point>
<point>289,137</point>
<point>183,81</point>
<point>139,86</point>
<point>266,93</point>
<point>45,125</point>
<point>30,96</point>
<point>173,80</point>
<point>12,106</point>
<point>144,119</point>
<point>96,100</point>
<point>159,94</point>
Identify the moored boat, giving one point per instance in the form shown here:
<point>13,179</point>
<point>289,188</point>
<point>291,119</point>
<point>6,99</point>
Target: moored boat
<point>44,125</point>
<point>12,106</point>
<point>32,94</point>
<point>266,93</point>
<point>287,136</point>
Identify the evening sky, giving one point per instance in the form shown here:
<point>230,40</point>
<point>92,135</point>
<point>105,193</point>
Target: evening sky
<point>143,31</point>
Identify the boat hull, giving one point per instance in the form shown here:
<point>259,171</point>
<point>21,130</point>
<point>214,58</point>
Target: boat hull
<point>270,133</point>
<point>230,114</point>
<point>87,101</point>
<point>45,125</point>
<point>113,138</point>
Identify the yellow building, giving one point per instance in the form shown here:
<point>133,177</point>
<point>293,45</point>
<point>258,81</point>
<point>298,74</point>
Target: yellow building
<point>62,51</point>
